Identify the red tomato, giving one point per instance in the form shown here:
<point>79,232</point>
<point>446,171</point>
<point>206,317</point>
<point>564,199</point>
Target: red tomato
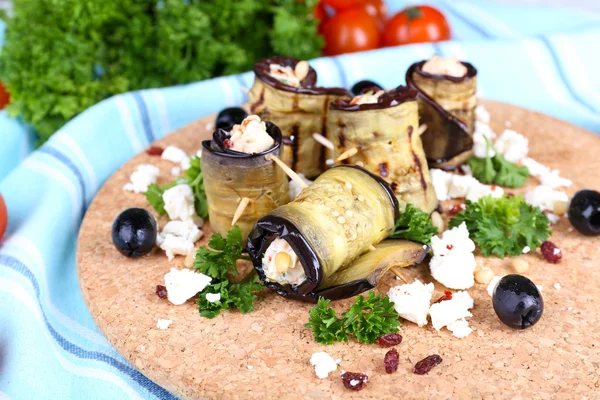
<point>339,5</point>
<point>3,216</point>
<point>350,31</point>
<point>376,8</point>
<point>4,97</point>
<point>416,25</point>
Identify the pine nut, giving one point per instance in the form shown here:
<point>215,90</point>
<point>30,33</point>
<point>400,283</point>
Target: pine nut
<point>437,221</point>
<point>478,267</point>
<point>520,265</point>
<point>561,207</point>
<point>283,262</point>
<point>189,259</point>
<point>301,70</point>
<point>484,276</point>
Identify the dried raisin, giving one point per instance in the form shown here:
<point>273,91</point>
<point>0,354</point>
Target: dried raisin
<point>447,296</point>
<point>355,380</point>
<point>456,209</point>
<point>391,360</point>
<point>161,291</point>
<point>154,151</point>
<point>551,252</point>
<point>389,340</point>
<point>425,365</point>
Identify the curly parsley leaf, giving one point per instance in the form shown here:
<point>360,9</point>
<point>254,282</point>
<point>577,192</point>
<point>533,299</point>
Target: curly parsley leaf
<point>327,327</point>
<point>503,226</point>
<point>194,178</point>
<point>498,170</point>
<point>414,224</point>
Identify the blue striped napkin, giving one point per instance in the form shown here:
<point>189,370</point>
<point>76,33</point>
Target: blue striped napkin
<point>541,58</point>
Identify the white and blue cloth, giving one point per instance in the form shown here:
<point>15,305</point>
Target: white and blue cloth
<point>540,58</point>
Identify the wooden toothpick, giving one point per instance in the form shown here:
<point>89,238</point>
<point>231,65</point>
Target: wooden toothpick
<point>294,176</point>
<point>422,129</point>
<point>240,210</point>
<point>347,154</point>
<point>372,248</point>
<point>323,140</point>
<point>397,272</point>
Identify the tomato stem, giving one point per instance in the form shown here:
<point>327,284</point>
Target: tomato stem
<point>413,13</point>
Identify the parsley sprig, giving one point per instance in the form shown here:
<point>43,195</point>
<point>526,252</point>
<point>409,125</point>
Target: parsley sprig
<point>503,226</point>
<point>414,224</point>
<point>192,177</point>
<point>498,170</point>
<point>366,320</point>
<point>219,262</point>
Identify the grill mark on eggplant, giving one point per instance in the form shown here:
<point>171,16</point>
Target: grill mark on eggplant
<point>295,146</point>
<point>383,169</point>
<point>394,185</point>
<point>322,162</point>
<point>259,102</point>
<point>417,161</point>
<point>295,103</point>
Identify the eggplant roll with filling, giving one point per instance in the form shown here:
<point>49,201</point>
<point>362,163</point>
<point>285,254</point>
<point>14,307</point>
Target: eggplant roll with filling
<point>318,245</point>
<point>447,106</point>
<point>384,129</point>
<point>285,92</point>
<point>230,176</point>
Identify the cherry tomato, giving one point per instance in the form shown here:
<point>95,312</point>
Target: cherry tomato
<point>350,31</point>
<point>377,9</point>
<point>416,25</point>
<point>339,5</point>
<point>4,97</point>
<point>3,216</point>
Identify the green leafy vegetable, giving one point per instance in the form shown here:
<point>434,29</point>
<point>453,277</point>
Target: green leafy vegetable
<point>498,170</point>
<point>55,68</point>
<point>503,226</point>
<point>414,224</point>
<point>219,262</point>
<point>367,320</point>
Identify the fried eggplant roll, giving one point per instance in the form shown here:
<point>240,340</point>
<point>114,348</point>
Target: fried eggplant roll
<point>318,245</point>
<point>447,100</point>
<point>285,92</point>
<point>383,127</point>
<point>234,167</point>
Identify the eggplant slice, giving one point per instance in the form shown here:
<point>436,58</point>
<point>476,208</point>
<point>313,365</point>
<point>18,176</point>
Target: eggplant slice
<point>385,134</point>
<point>298,111</point>
<point>447,106</point>
<point>230,176</point>
<point>330,226</point>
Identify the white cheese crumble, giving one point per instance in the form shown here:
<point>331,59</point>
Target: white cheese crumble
<point>184,284</point>
<point>411,301</point>
<point>526,249</point>
<point>323,363</point>
<point>143,176</point>
<point>292,274</point>
<point>492,285</point>
<point>163,323</point>
<point>453,262</point>
<point>512,145</point>
<point>546,176</point>
<point>213,297</point>
<point>250,136</point>
<point>176,155</point>
<point>452,313</point>
<point>367,98</point>
<point>482,114</point>
<point>557,286</point>
<point>451,186</point>
<point>544,197</point>
<point>480,144</point>
<point>295,188</point>
<point>449,66</point>
<point>179,202</point>
<point>553,218</point>
<point>175,171</point>
<point>178,237</point>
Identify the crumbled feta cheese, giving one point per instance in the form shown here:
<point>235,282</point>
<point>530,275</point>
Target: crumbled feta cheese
<point>544,197</point>
<point>323,363</point>
<point>570,308</point>
<point>178,237</point>
<point>441,182</point>
<point>453,262</point>
<point>199,153</point>
<point>526,249</point>
<point>480,190</point>
<point>185,164</point>
<point>292,273</point>
<point>179,202</point>
<point>173,154</point>
<point>184,284</point>
<point>466,169</point>
<point>250,136</point>
<point>143,176</point>
<point>175,171</point>
<point>492,285</point>
<point>512,145</point>
<point>450,186</point>
<point>163,323</point>
<point>482,114</point>
<point>213,297</point>
<point>460,185</point>
<point>553,218</point>
<point>250,367</point>
<point>546,176</point>
<point>453,312</point>
<point>411,301</point>
<point>535,168</point>
<point>557,286</point>
<point>480,146</point>
<point>295,188</point>
<point>449,66</point>
<point>539,287</point>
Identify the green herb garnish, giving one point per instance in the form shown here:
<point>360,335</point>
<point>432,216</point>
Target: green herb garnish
<point>219,262</point>
<point>367,320</point>
<point>503,226</point>
<point>498,170</point>
<point>414,224</point>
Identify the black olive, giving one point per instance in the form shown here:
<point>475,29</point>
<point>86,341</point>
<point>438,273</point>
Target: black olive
<point>134,232</point>
<point>584,212</point>
<point>229,117</point>
<point>518,302</point>
<point>363,87</point>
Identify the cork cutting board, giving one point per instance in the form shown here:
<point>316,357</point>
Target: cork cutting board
<point>265,354</point>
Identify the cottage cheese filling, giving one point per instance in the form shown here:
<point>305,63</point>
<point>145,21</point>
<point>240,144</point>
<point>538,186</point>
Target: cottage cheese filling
<point>449,66</point>
<point>281,264</point>
<point>367,98</point>
<point>250,136</point>
<point>285,75</point>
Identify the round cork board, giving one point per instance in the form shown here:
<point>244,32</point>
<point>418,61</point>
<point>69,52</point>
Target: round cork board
<point>265,354</point>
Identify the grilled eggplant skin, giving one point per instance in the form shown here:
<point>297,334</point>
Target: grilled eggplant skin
<point>330,224</point>
<point>230,175</point>
<point>298,111</point>
<point>447,106</point>
<point>389,146</point>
